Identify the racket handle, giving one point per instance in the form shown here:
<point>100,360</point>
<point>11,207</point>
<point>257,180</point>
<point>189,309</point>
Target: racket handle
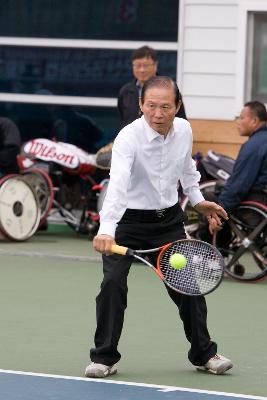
<point>119,249</point>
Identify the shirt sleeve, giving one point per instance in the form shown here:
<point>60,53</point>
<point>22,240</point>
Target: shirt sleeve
<point>191,177</point>
<point>115,202</point>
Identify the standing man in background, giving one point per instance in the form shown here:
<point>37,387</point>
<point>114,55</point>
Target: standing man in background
<point>144,64</point>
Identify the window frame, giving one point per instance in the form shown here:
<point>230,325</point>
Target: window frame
<point>78,44</point>
<point>245,49</point>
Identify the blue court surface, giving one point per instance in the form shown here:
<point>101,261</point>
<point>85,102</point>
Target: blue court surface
<point>17,385</point>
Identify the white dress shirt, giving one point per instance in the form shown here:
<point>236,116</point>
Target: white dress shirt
<point>145,170</point>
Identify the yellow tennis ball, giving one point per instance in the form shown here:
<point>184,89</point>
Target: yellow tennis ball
<point>177,261</point>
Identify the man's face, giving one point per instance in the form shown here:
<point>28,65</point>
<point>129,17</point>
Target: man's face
<point>159,108</point>
<point>144,68</point>
<point>246,122</point>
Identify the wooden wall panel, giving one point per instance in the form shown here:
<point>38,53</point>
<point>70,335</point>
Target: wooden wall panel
<point>220,136</point>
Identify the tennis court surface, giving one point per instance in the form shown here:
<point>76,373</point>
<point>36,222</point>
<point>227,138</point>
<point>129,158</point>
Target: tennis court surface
<point>48,287</point>
<point>18,385</point>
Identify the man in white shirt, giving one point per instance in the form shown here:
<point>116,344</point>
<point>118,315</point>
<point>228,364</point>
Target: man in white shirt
<point>141,210</point>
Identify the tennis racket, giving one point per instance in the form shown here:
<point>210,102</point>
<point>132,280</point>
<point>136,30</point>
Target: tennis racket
<point>201,275</point>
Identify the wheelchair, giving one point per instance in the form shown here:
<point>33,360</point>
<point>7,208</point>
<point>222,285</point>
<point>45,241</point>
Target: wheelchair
<point>71,198</point>
<point>242,240</point>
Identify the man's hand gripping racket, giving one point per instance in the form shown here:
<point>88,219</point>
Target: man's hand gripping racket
<point>203,270</point>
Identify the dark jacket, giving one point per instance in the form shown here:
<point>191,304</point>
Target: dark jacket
<point>128,104</point>
<point>10,142</point>
<point>249,172</point>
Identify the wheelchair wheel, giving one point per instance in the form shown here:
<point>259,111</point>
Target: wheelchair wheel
<point>42,184</point>
<point>19,209</point>
<point>194,220</point>
<point>245,255</point>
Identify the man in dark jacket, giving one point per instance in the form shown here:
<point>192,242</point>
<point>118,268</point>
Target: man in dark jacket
<point>144,63</point>
<point>10,142</point>
<point>249,175</point>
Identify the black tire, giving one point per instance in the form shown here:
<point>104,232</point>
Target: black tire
<point>42,184</point>
<point>248,267</point>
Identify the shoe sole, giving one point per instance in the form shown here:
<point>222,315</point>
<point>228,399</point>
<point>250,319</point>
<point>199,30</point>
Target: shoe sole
<point>219,371</point>
<point>101,374</point>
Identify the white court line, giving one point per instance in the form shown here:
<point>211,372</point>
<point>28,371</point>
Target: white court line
<point>49,255</point>
<point>160,388</point>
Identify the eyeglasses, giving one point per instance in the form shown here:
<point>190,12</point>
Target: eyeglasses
<point>144,66</point>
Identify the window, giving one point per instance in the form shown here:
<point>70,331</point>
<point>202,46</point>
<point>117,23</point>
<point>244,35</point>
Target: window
<point>70,71</point>
<point>71,19</point>
<point>68,59</point>
<point>87,127</point>
<point>259,69</point>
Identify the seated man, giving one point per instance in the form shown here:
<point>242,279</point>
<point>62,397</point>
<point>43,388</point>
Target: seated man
<point>249,176</point>
<point>10,142</point>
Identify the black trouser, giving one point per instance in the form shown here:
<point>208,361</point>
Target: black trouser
<point>112,299</point>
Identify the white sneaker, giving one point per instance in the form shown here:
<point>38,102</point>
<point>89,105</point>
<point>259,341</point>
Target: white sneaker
<point>216,365</point>
<point>95,370</point>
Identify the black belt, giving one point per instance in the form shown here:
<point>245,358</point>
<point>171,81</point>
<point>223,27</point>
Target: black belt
<point>149,215</point>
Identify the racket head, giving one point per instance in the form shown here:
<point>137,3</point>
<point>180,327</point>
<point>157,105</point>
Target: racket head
<point>202,273</point>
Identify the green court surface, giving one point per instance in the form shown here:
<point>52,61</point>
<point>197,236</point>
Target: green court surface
<point>48,287</point>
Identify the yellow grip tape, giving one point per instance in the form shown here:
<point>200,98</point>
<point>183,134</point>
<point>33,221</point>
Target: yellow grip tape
<point>119,249</point>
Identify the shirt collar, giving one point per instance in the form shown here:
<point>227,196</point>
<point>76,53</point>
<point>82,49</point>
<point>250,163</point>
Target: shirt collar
<point>261,128</point>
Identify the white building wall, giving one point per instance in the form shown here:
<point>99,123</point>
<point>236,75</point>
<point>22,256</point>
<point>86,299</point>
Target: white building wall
<point>207,66</point>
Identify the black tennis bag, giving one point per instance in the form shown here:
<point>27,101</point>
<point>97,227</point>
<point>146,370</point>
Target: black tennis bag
<point>215,166</point>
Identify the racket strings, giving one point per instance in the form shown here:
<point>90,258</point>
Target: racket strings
<point>202,273</point>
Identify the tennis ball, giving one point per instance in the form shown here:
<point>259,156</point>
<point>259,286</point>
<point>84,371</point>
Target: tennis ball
<point>177,261</point>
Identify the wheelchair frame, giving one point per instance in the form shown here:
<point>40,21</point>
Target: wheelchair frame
<point>241,241</point>
<point>49,192</point>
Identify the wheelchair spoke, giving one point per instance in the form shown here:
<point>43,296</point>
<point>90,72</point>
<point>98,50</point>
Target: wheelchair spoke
<point>241,250</point>
<point>257,230</point>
